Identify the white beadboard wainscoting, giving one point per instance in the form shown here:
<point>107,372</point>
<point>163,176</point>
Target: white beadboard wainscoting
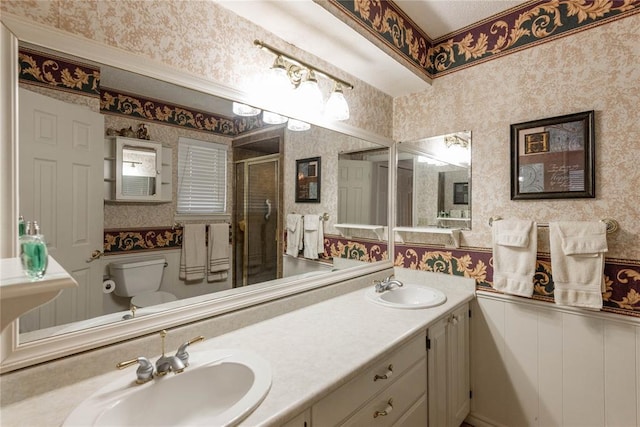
<point>538,364</point>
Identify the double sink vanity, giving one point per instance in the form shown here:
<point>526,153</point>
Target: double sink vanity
<point>396,357</point>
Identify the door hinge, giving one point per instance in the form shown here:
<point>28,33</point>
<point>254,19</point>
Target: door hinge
<point>428,344</point>
<point>469,313</point>
<point>470,394</point>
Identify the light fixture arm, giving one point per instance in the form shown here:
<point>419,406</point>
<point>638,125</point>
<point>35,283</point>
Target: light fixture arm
<point>278,52</point>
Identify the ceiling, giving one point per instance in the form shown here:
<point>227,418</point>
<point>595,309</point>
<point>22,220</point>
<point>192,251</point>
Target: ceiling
<point>312,28</point>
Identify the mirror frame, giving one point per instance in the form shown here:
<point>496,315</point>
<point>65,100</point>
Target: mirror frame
<point>15,355</point>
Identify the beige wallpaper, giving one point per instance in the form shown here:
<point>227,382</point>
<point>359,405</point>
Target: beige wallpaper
<point>596,69</point>
<point>198,37</point>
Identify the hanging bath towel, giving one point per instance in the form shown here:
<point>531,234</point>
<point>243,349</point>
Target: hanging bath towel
<point>313,236</point>
<point>294,234</point>
<point>515,244</point>
<point>577,262</point>
<point>218,268</point>
<point>194,253</point>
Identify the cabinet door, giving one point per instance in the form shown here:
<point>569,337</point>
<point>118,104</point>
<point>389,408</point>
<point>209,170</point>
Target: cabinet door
<point>302,420</point>
<point>458,366</point>
<point>437,373</point>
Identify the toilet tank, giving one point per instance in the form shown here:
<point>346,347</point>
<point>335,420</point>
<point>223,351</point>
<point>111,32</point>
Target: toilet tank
<point>133,277</point>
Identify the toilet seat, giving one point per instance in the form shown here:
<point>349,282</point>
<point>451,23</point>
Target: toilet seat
<point>147,299</point>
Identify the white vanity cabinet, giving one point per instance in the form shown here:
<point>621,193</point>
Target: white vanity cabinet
<point>391,392</point>
<point>448,359</point>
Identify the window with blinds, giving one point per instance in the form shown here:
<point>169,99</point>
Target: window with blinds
<point>202,177</point>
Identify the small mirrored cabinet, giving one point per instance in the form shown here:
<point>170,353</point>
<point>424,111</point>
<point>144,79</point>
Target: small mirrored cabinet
<point>136,170</point>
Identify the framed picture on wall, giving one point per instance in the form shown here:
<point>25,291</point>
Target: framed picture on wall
<point>553,158</point>
<point>460,193</point>
<point>308,180</point>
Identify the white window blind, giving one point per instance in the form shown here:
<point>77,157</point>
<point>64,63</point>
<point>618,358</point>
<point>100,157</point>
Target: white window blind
<point>202,177</point>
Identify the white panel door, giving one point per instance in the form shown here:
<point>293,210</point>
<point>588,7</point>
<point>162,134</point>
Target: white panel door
<point>354,192</point>
<point>61,177</point>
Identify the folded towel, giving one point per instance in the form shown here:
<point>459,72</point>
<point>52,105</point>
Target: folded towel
<point>218,252</point>
<point>577,262</point>
<point>194,253</point>
<point>313,236</point>
<point>515,245</point>
<point>294,234</point>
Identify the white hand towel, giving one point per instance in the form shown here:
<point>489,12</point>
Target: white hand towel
<point>320,237</point>
<point>515,244</point>
<point>218,252</point>
<point>194,253</point>
<point>294,234</point>
<point>312,229</point>
<point>577,262</point>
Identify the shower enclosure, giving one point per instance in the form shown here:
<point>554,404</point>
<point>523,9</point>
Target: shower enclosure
<point>257,251</point>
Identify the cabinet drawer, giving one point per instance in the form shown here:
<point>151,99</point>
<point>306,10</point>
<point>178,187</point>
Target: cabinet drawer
<point>390,405</point>
<point>341,403</point>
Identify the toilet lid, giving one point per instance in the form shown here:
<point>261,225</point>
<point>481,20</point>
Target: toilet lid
<point>148,299</point>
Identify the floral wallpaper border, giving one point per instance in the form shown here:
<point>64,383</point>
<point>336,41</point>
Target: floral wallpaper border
<point>141,239</point>
<point>131,105</point>
<point>43,69</point>
<point>518,28</point>
<point>622,277</point>
<point>58,73</point>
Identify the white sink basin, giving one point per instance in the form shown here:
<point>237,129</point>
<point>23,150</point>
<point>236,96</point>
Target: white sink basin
<point>408,296</point>
<point>218,388</point>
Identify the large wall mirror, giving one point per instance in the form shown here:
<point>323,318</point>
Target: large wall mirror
<point>57,331</point>
<point>433,182</point>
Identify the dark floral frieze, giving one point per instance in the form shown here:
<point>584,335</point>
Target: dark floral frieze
<point>135,106</point>
<point>141,239</point>
<point>525,26</point>
<point>58,73</point>
<point>361,249</point>
<point>622,277</point>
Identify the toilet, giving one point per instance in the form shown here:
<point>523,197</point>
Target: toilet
<point>140,280</point>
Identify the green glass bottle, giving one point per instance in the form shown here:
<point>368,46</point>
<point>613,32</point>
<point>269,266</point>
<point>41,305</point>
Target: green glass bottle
<point>33,252</point>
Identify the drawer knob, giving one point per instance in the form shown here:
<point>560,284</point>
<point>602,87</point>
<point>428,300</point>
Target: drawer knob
<point>384,376</point>
<point>386,411</point>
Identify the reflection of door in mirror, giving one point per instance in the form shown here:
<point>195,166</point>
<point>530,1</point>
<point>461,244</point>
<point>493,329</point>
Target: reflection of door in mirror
<point>354,192</point>
<point>404,214</point>
<point>61,183</point>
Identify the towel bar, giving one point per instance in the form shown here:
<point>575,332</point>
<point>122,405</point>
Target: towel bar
<point>612,224</point>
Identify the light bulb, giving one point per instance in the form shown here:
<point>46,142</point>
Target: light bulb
<point>273,118</point>
<point>297,125</point>
<point>245,110</point>
<point>337,107</point>
<point>308,95</point>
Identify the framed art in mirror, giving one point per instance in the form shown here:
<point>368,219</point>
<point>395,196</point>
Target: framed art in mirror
<point>553,158</point>
<point>308,180</point>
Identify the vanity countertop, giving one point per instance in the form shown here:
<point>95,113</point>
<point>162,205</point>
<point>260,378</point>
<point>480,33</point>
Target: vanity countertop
<point>312,351</point>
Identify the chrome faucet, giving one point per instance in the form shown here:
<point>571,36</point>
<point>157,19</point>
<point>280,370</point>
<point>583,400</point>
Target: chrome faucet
<point>144,371</point>
<point>386,284</point>
<point>164,364</point>
<point>182,350</point>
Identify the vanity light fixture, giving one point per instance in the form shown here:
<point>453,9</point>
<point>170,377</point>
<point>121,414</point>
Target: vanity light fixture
<point>273,118</point>
<point>297,125</point>
<point>244,110</point>
<point>302,78</point>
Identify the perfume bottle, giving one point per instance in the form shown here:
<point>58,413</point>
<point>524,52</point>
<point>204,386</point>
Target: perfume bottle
<point>33,252</point>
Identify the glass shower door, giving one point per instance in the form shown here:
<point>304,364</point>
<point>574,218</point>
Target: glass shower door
<point>258,225</point>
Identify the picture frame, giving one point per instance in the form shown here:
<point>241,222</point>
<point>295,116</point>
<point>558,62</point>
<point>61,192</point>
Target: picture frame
<point>308,180</point>
<point>553,158</point>
<point>460,193</point>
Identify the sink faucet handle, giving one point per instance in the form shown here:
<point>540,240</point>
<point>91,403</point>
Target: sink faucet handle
<point>144,371</point>
<point>182,353</point>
